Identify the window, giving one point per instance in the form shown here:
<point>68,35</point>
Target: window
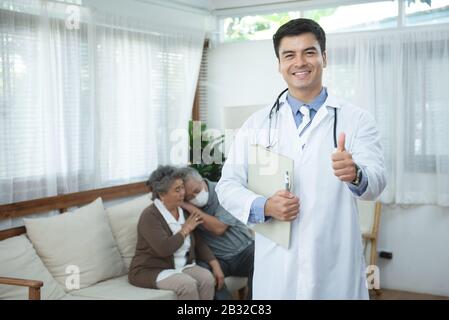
<point>426,121</point>
<point>366,15</point>
<point>420,12</point>
<point>357,17</point>
<point>255,27</point>
<point>201,93</point>
<point>90,106</point>
<point>25,118</point>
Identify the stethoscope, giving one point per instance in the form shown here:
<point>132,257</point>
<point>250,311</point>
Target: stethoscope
<point>275,109</point>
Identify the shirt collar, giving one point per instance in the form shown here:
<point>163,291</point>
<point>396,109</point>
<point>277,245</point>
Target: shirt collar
<point>167,215</point>
<point>315,104</point>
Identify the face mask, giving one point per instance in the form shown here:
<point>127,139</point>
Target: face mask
<point>201,199</point>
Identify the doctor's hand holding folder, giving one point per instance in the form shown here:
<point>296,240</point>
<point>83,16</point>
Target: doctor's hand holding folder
<point>269,175</point>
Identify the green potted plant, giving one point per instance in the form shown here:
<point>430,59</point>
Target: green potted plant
<point>208,157</point>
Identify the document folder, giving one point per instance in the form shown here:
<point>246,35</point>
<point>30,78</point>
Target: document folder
<point>267,172</point>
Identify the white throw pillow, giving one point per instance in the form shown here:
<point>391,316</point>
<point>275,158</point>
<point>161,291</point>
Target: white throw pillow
<point>75,243</point>
<point>18,259</point>
<point>124,218</point>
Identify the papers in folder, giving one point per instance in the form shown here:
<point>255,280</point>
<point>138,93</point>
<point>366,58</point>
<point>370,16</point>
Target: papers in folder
<point>266,176</point>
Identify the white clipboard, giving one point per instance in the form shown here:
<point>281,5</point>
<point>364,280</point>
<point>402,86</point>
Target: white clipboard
<point>266,176</point>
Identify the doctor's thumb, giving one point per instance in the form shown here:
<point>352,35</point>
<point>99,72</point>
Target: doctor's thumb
<point>341,142</point>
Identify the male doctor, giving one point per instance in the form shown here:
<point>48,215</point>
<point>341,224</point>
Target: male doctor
<point>325,258</point>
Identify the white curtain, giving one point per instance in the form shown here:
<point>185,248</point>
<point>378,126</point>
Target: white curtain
<point>89,106</point>
<point>145,89</point>
<point>402,78</point>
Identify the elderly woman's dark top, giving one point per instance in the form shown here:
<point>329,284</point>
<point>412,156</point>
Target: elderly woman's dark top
<point>156,245</point>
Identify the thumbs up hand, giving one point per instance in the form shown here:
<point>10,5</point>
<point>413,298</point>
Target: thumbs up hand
<point>342,163</point>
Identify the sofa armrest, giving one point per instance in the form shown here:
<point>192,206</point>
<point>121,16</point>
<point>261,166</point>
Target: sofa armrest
<point>34,286</point>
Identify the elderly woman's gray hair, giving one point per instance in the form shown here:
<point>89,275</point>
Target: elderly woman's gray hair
<point>162,179</point>
<point>190,173</point>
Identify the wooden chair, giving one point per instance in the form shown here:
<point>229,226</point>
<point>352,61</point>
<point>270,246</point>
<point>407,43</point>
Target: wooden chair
<point>369,216</point>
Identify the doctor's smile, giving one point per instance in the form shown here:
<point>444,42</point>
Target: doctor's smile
<point>301,74</point>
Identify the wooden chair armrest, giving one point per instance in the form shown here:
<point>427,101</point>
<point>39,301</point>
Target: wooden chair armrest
<point>34,286</point>
<point>21,282</point>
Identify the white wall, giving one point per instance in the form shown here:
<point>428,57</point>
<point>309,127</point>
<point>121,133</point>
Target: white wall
<point>246,74</point>
<point>241,73</point>
<point>418,237</point>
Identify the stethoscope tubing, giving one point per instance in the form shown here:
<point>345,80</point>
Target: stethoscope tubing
<point>276,107</point>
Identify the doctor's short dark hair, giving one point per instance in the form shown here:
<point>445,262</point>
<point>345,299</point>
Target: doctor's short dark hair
<point>297,27</point>
<point>162,179</point>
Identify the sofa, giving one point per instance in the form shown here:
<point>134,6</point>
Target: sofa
<point>82,254</point>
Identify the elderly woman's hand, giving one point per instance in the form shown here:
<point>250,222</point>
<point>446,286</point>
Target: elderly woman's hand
<point>191,223</point>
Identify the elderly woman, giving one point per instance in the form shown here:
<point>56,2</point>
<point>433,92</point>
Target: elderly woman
<point>167,246</point>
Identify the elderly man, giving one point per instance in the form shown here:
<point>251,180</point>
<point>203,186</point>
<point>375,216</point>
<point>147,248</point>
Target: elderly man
<point>228,238</point>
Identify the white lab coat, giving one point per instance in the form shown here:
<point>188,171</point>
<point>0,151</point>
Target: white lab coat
<point>325,259</point>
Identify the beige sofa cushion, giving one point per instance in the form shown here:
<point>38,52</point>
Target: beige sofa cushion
<point>82,239</point>
<point>234,283</point>
<point>121,289</point>
<point>124,218</point>
<point>18,259</point>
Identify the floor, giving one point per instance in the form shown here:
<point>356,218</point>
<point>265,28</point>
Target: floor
<point>386,294</point>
